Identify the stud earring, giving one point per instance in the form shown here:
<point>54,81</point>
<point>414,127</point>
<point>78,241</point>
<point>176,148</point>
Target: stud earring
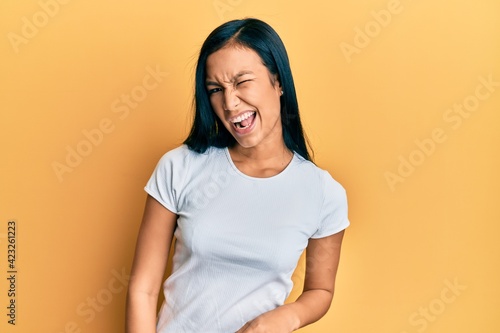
<point>282,93</point>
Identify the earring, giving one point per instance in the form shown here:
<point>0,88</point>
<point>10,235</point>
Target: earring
<point>282,93</point>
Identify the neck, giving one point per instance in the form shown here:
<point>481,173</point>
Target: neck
<point>271,148</point>
<point>262,154</point>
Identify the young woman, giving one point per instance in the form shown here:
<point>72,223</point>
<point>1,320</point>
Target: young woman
<point>242,199</point>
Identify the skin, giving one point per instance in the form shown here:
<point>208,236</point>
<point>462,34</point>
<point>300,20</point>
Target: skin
<point>237,81</point>
<point>151,254</point>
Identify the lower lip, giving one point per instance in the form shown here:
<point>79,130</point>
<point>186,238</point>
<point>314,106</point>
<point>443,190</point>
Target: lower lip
<point>243,131</point>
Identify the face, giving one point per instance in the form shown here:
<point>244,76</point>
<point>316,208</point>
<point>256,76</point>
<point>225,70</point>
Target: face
<point>245,96</point>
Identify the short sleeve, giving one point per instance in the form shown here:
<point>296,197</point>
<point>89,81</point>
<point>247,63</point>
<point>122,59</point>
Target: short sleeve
<point>164,183</point>
<point>333,217</point>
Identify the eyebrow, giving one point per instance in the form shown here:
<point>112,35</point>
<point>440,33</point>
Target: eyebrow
<point>239,74</point>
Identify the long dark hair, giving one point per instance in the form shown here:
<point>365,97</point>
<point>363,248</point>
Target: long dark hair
<point>207,129</point>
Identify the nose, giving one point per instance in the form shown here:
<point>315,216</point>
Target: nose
<point>231,100</point>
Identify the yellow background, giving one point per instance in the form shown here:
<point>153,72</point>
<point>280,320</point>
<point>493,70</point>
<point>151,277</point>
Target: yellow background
<point>363,112</point>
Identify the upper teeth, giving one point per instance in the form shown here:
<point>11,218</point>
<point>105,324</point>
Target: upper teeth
<point>242,117</point>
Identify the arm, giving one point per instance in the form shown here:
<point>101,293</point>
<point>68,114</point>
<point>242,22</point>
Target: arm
<point>322,260</point>
<point>151,253</point>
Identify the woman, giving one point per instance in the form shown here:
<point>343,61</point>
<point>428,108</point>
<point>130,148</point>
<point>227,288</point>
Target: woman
<point>243,201</point>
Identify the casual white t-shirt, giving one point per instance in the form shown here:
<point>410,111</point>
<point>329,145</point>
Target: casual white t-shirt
<point>239,238</point>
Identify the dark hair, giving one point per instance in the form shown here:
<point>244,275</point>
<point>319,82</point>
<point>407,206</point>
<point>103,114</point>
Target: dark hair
<point>207,129</point>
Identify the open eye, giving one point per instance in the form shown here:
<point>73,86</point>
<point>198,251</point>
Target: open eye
<point>213,91</point>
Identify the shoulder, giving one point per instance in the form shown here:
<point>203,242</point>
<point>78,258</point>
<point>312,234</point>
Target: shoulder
<point>318,176</point>
<point>179,165</point>
<point>182,161</point>
<point>182,154</point>
<point>326,194</point>
<point>177,154</point>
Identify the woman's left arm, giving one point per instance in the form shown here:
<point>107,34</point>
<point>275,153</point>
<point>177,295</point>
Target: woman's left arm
<point>322,260</point>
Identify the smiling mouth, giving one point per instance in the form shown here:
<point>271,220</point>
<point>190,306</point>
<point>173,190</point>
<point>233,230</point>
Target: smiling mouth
<point>244,121</point>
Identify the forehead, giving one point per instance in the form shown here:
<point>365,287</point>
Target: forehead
<point>228,61</point>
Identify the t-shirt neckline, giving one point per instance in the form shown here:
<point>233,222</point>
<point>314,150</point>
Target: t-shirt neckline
<point>235,168</point>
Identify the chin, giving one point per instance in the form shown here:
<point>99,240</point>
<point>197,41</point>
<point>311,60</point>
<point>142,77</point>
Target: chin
<point>245,145</point>
<point>248,143</point>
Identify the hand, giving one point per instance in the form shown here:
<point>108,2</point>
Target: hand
<point>279,320</point>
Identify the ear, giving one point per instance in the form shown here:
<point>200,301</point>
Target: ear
<point>277,84</point>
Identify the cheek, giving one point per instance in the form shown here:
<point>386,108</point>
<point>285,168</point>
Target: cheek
<point>216,107</point>
<point>266,99</point>
<point>272,106</point>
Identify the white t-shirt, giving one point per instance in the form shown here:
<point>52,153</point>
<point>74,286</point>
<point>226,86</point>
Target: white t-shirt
<point>239,238</point>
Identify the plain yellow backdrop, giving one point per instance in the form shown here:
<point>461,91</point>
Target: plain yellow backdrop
<point>400,100</point>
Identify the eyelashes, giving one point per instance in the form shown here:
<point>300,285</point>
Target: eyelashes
<point>215,90</point>
<point>243,82</point>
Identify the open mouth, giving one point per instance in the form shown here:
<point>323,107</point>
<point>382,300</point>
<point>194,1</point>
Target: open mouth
<point>244,121</point>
